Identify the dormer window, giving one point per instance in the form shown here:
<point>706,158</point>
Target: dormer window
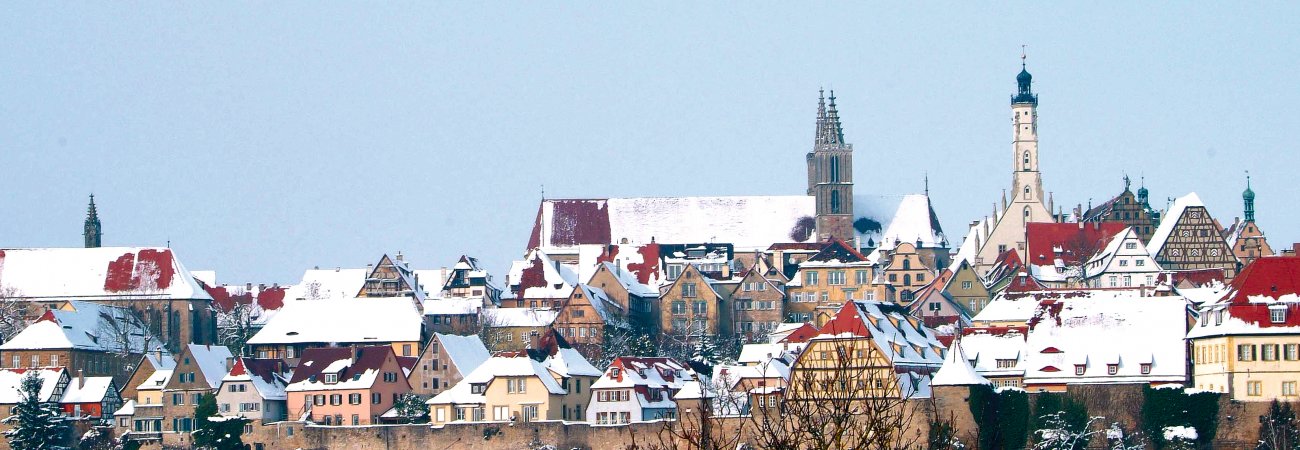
<point>331,378</point>
<point>1277,315</point>
<point>1146,368</point>
<point>477,388</point>
<point>1112,369</point>
<point>614,372</point>
<point>1079,368</point>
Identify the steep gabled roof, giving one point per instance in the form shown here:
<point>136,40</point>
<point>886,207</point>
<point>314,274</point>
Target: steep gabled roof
<point>357,372</point>
<point>837,251</point>
<point>746,222</point>
<point>1171,220</point>
<point>1072,243</point>
<point>466,352</point>
<point>91,273</point>
<point>1268,284</point>
<point>957,370</point>
<point>11,382</point>
<point>901,338</point>
<point>268,376</point>
<point>914,222</point>
<point>211,360</point>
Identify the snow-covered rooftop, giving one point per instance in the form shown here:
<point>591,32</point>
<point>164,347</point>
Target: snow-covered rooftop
<point>360,320</point>
<point>90,273</point>
<point>87,390</point>
<point>957,370</point>
<point>466,352</point>
<point>11,382</point>
<point>86,326</point>
<point>211,360</point>
<point>746,222</point>
<point>1170,220</point>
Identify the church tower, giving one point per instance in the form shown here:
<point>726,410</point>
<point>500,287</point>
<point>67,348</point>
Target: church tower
<point>1248,197</point>
<point>1026,202</point>
<point>92,232</point>
<point>830,174</point>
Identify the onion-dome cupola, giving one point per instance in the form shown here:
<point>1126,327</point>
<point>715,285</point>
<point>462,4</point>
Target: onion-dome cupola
<point>1248,197</point>
<point>1024,94</point>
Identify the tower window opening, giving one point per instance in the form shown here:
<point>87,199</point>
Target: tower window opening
<point>1026,192</point>
<point>835,202</point>
<point>835,169</point>
<point>1026,160</point>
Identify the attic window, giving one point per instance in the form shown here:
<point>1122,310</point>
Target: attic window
<point>1079,368</point>
<point>613,372</point>
<point>1112,369</point>
<point>331,378</point>
<point>1146,368</point>
<point>1277,315</point>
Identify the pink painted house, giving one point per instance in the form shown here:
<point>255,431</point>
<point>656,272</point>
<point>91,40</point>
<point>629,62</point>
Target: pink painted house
<point>345,386</point>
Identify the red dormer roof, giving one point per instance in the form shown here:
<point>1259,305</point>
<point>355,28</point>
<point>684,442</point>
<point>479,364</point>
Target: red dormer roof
<point>847,320</point>
<point>1077,241</point>
<point>1271,277</point>
<point>801,334</point>
<point>315,360</point>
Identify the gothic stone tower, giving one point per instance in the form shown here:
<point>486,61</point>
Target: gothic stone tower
<point>830,175</point>
<point>92,232</point>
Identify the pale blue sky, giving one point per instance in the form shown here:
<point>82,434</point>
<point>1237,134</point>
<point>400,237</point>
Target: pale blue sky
<point>263,139</point>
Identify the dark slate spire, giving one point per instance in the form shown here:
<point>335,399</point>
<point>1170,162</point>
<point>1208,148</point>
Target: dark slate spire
<point>92,231</point>
<point>1023,81</point>
<point>1248,197</point>
<point>831,131</point>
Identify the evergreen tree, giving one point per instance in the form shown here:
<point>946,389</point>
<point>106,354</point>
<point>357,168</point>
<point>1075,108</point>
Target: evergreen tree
<point>36,425</point>
<point>411,408</point>
<point>214,432</point>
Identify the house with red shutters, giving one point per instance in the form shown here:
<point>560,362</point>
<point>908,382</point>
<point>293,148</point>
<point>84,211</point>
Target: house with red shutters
<point>636,389</point>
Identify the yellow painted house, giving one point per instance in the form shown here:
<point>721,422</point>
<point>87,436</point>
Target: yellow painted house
<point>551,382</point>
<point>836,274</point>
<point>1247,344</point>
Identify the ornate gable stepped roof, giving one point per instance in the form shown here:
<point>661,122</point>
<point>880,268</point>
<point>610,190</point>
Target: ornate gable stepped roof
<point>1266,290</point>
<point>87,326</point>
<point>747,222</point>
<point>114,273</point>
<point>902,339</point>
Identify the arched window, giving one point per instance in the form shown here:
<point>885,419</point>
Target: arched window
<point>835,169</point>
<point>1026,192</point>
<point>907,280</point>
<point>1026,214</point>
<point>835,202</point>
<point>1026,161</point>
<point>907,264</point>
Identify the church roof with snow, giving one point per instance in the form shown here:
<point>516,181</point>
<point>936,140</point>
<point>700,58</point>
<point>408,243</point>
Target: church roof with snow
<point>957,370</point>
<point>93,273</point>
<point>746,222</point>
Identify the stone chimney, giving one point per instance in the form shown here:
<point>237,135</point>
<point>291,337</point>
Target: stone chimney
<point>81,379</point>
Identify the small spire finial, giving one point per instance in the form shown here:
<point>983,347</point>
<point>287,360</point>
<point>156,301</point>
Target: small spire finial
<point>1022,55</point>
<point>92,197</point>
<point>927,183</point>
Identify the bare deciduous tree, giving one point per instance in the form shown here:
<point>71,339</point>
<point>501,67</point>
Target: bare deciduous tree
<point>13,313</point>
<point>841,394</point>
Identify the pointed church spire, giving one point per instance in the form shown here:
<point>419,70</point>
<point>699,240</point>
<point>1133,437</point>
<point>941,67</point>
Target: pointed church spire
<point>834,133</point>
<point>92,232</point>
<point>820,138</point>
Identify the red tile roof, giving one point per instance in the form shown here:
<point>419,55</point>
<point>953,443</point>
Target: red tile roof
<point>1078,241</point>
